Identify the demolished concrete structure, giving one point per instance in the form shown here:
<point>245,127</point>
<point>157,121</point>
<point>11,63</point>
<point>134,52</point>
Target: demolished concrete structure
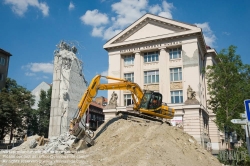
<point>68,87</point>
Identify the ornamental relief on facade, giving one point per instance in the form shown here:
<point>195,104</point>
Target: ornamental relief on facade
<point>150,63</point>
<point>153,87</point>
<point>115,72</point>
<point>175,61</point>
<point>126,92</point>
<point>130,66</point>
<point>175,85</point>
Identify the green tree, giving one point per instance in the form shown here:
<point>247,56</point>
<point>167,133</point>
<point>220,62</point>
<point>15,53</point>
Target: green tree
<point>44,112</point>
<point>15,108</point>
<point>228,87</point>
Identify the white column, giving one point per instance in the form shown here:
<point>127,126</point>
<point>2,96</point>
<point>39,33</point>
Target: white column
<point>164,83</point>
<point>137,68</point>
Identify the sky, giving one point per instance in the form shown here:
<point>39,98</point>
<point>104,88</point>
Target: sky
<point>31,29</point>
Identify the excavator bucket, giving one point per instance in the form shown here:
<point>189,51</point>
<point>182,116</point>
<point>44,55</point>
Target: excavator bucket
<point>82,137</point>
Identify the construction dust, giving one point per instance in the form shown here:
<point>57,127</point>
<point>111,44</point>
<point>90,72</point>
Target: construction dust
<point>125,142</point>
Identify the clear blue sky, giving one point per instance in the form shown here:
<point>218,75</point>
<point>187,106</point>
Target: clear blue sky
<point>31,29</point>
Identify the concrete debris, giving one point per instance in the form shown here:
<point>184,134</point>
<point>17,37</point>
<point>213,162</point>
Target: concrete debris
<point>33,144</point>
<point>61,143</point>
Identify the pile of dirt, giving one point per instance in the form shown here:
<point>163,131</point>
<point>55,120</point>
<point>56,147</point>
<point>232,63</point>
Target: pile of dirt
<point>131,143</point>
<point>126,142</point>
<point>26,144</point>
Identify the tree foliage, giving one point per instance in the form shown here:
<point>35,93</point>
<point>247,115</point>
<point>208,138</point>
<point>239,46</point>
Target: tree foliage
<point>15,108</point>
<point>43,112</point>
<point>228,86</point>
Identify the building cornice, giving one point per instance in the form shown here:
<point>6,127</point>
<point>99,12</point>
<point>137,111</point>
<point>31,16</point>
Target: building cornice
<point>160,38</point>
<point>5,52</point>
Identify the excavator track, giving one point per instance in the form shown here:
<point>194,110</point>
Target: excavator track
<point>139,117</point>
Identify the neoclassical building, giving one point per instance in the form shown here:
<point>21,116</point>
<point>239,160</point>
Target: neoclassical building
<point>167,56</point>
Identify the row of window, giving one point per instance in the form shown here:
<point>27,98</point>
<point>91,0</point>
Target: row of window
<point>176,97</point>
<point>153,76</point>
<point>2,61</point>
<point>96,117</point>
<point>174,53</point>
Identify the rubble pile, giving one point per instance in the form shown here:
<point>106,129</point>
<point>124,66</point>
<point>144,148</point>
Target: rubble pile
<point>60,143</point>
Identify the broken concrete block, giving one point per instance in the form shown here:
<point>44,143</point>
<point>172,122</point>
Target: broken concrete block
<point>70,142</point>
<point>32,144</point>
<point>62,147</point>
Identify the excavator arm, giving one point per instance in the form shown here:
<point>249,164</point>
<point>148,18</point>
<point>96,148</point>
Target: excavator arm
<point>95,85</point>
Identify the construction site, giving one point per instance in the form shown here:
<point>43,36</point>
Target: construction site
<point>124,139</point>
<point>148,122</point>
<point>117,142</point>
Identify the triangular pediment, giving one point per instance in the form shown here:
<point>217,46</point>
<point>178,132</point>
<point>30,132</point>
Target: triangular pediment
<point>151,27</point>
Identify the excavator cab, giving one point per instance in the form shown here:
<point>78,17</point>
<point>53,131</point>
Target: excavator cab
<point>151,100</point>
<point>151,104</point>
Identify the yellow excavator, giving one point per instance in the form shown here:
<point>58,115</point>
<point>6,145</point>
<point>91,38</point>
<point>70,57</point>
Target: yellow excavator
<point>147,105</point>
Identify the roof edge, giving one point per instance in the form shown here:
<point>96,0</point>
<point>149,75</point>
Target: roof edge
<point>5,52</point>
<point>147,15</point>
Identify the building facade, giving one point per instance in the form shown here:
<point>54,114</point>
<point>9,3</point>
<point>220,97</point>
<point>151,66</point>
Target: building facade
<point>4,66</point>
<point>37,91</point>
<point>101,100</point>
<point>95,116</point>
<point>167,56</point>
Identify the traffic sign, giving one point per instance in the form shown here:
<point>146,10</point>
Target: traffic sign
<point>247,105</point>
<point>243,116</point>
<point>239,121</point>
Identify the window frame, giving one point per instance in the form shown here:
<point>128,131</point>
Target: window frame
<point>129,59</point>
<point>2,61</point>
<point>178,51</point>
<point>126,98</point>
<point>156,77</point>
<point>180,96</point>
<point>152,56</point>
<point>172,74</point>
<point>131,76</point>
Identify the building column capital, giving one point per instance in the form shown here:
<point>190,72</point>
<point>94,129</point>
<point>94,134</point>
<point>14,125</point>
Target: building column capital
<point>162,48</point>
<point>137,52</point>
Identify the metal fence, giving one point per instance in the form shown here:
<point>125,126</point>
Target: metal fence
<point>230,155</point>
<point>6,145</point>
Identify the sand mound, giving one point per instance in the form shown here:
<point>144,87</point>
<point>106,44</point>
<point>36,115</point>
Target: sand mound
<point>26,144</point>
<point>125,142</point>
<point>132,143</point>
